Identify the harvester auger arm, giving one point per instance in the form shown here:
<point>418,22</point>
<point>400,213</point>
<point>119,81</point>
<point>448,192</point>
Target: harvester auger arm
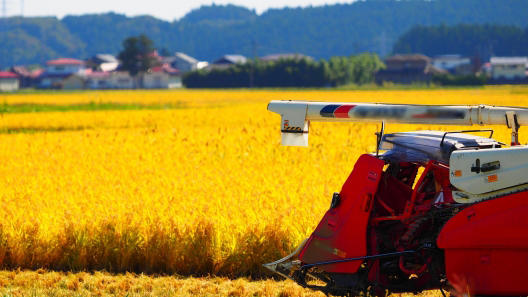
<point>296,116</point>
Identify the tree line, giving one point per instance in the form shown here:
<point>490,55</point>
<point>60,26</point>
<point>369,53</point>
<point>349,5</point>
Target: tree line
<point>210,32</point>
<point>290,72</point>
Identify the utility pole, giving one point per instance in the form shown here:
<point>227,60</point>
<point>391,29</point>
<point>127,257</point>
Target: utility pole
<point>383,40</point>
<point>4,9</point>
<point>252,70</point>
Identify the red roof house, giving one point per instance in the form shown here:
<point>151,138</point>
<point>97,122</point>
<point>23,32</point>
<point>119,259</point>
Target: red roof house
<point>5,74</point>
<point>65,61</point>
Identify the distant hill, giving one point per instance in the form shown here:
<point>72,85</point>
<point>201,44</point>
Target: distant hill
<point>467,40</point>
<point>212,31</point>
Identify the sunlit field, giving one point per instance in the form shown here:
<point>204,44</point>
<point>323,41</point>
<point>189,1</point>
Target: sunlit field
<point>198,186</point>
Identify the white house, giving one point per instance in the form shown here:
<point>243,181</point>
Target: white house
<point>121,80</point>
<point>162,77</point>
<point>99,81</point>
<point>509,68</point>
<point>65,66</point>
<point>57,70</point>
<point>8,82</point>
<point>184,63</point>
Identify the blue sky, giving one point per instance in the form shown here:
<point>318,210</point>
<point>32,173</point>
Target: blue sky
<point>164,9</point>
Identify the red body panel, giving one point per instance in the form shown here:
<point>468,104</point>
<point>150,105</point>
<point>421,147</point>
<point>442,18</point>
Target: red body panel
<point>486,247</point>
<point>342,233</point>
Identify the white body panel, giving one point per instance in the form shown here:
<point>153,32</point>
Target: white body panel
<point>512,169</point>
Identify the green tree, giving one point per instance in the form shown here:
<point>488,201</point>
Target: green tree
<point>339,71</point>
<point>365,67</point>
<point>138,54</point>
<point>359,69</point>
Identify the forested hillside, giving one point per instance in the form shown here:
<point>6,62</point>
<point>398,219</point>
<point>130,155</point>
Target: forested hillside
<point>468,40</point>
<point>212,31</point>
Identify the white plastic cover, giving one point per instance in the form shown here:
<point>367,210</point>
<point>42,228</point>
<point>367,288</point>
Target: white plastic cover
<point>487,170</point>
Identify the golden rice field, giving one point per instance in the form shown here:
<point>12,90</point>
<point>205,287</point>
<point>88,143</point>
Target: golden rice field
<point>201,189</point>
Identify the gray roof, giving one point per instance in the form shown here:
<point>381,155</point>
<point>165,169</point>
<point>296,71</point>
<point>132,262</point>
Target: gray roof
<point>186,57</point>
<point>450,58</point>
<point>231,59</point>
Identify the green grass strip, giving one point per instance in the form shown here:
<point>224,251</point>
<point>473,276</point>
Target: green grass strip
<point>92,106</point>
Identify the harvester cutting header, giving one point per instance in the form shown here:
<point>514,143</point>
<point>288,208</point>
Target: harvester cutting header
<point>435,210</point>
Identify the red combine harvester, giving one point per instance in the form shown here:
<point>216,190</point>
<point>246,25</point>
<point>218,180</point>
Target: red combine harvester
<point>461,224</point>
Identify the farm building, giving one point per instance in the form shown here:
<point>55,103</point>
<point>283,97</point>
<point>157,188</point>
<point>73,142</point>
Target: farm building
<point>407,69</point>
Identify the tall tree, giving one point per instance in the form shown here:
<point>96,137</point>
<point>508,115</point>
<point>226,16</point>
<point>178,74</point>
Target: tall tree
<point>138,54</point>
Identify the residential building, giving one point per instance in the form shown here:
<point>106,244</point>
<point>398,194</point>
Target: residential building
<point>182,62</point>
<point>72,82</point>
<point>508,68</point>
<point>454,64</point>
<point>227,61</point>
<point>98,80</point>
<point>8,82</point>
<point>65,66</point>
<point>121,80</point>
<point>202,65</point>
<point>28,78</point>
<point>57,70</point>
<point>230,60</point>
<point>407,69</point>
<point>161,77</point>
